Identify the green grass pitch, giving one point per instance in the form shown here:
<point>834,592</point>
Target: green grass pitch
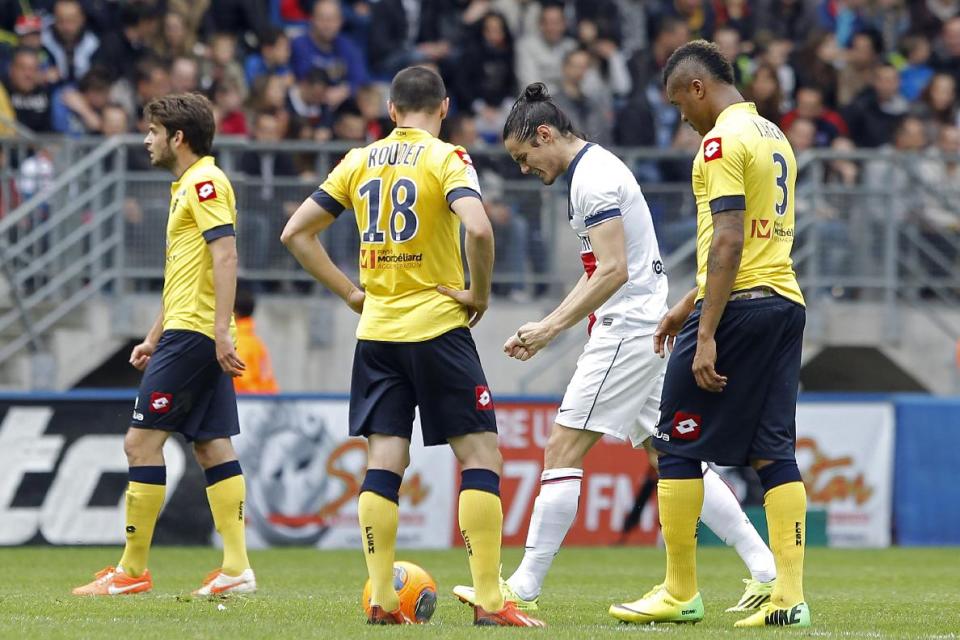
<point>304,593</point>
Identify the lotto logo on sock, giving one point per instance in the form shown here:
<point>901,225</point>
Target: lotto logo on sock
<point>484,398</point>
<point>686,426</point>
<point>160,402</point>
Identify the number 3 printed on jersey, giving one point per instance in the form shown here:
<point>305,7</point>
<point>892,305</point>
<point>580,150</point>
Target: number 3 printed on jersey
<point>402,220</point>
<point>781,207</point>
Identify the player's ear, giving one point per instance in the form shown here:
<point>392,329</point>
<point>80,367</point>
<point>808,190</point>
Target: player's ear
<point>392,110</point>
<point>444,107</point>
<point>544,134</point>
<point>697,86</point>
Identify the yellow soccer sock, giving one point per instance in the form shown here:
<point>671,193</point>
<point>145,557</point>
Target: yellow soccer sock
<point>144,499</point>
<point>379,517</point>
<point>680,504</point>
<point>226,492</point>
<point>481,524</point>
<point>786,507</point>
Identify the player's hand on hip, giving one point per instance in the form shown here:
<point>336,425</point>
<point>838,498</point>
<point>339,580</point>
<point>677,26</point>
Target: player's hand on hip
<point>666,334</point>
<point>703,366</point>
<point>476,305</point>
<point>227,357</point>
<point>355,300</point>
<point>140,355</point>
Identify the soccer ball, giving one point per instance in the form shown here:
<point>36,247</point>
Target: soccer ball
<point>416,588</point>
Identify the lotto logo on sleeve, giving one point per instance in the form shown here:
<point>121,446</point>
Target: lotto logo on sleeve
<point>160,402</point>
<point>686,426</point>
<point>206,190</point>
<point>484,398</point>
<point>712,149</point>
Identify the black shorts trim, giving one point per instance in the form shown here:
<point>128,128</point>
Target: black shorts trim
<point>600,388</point>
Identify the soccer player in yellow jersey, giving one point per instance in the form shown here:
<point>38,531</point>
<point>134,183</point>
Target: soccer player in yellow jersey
<point>730,392</point>
<point>188,357</point>
<point>410,193</point>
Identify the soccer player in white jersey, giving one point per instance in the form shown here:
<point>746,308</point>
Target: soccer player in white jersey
<point>616,387</point>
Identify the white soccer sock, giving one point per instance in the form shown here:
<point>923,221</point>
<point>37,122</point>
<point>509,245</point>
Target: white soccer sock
<point>723,514</point>
<point>553,514</point>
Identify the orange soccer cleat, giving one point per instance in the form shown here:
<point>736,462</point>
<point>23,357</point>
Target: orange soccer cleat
<point>508,616</point>
<point>380,616</point>
<point>217,583</point>
<point>114,582</point>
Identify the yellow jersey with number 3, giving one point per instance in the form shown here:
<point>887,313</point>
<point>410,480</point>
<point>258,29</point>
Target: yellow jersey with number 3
<point>401,189</point>
<point>746,164</point>
<point>202,209</point>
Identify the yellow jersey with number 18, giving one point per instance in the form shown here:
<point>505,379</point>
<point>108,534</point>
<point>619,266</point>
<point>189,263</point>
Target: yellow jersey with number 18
<point>401,189</point>
<point>202,209</point>
<point>746,164</point>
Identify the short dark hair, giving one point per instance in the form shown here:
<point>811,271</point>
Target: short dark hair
<point>417,89</point>
<point>704,53</point>
<point>533,108</point>
<point>190,113</point>
<point>244,303</point>
<point>874,36</point>
<point>271,36</point>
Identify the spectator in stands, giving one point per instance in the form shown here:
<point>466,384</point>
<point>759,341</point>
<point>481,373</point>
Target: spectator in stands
<point>842,18</point>
<point>512,234</point>
<point>776,53</point>
<point>69,42</point>
<point>122,50</point>
<point>176,38</point>
<point>29,32</point>
<point>591,114</point>
<point>487,79</point>
<point>348,123</point>
<point>404,33</point>
<point>917,72</point>
<point>794,20</point>
<point>609,72</point>
<point>184,74</point>
<point>152,81</point>
<point>242,18</point>
<point>324,47</point>
<point>891,19</point>
<point>222,64</point>
<point>228,108</point>
<point>877,110</point>
<point>646,67</point>
<point>947,57</point>
<point>273,57</point>
<point>697,14</point>
<point>116,122</point>
<point>269,93</point>
<point>78,110</point>
<point>892,174</point>
<point>729,41</point>
<point>818,63</point>
<point>938,104</point>
<point>373,106</point>
<point>258,374</point>
<point>802,134</point>
<point>928,16</point>
<point>29,97</point>
<point>941,168</point>
<point>736,15</point>
<point>860,61</point>
<point>764,91</point>
<point>540,55</point>
<point>264,199</point>
<point>307,101</point>
<point>828,123</point>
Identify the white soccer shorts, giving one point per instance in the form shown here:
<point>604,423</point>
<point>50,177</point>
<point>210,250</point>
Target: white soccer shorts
<point>615,389</point>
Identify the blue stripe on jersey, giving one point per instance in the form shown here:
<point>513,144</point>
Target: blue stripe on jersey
<point>218,232</point>
<point>461,192</point>
<point>728,203</point>
<point>601,216</point>
<point>330,204</point>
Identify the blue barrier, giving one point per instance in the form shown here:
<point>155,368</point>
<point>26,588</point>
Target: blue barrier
<point>926,494</point>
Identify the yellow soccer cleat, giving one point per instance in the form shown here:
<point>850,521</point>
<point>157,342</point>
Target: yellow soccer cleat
<point>659,606</point>
<point>770,615</point>
<point>467,595</point>
<point>754,596</point>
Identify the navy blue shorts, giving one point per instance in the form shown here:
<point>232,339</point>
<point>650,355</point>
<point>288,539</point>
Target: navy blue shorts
<point>442,376</point>
<point>754,417</point>
<point>185,390</point>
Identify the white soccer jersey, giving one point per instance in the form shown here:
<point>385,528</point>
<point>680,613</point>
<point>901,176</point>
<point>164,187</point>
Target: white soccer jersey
<point>602,188</point>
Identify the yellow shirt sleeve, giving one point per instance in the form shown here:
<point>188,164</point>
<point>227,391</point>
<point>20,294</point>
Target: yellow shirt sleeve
<point>210,207</point>
<point>458,177</point>
<point>334,194</point>
<point>724,161</point>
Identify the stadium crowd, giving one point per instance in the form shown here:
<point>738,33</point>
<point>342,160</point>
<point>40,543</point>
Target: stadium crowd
<point>838,74</point>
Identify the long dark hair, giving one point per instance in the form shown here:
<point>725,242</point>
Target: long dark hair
<point>533,108</point>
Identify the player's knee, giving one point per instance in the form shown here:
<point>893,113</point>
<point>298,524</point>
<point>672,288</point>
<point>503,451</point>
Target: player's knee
<point>566,448</point>
<point>395,461</point>
<point>140,450</point>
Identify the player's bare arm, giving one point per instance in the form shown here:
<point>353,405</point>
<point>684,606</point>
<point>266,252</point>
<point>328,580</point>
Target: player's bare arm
<point>141,353</point>
<point>479,249</point>
<point>723,263</point>
<point>671,323</point>
<point>512,346</point>
<point>300,237</point>
<point>609,247</point>
<point>224,253</point>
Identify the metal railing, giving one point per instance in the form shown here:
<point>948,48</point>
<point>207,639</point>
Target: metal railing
<point>87,216</point>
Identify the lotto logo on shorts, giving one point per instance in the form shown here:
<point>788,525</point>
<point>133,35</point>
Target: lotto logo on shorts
<point>206,190</point>
<point>712,149</point>
<point>484,399</point>
<point>160,402</point>
<point>686,426</point>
